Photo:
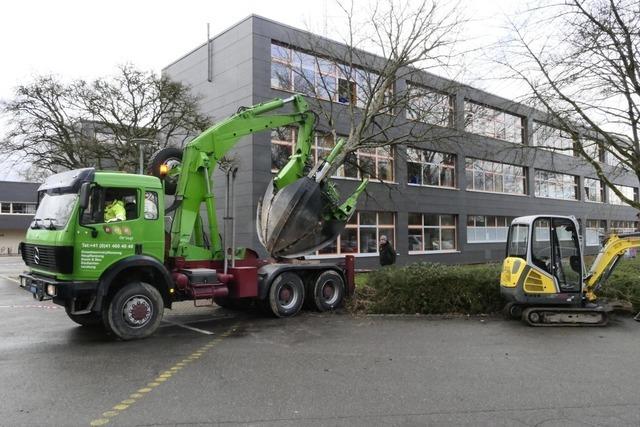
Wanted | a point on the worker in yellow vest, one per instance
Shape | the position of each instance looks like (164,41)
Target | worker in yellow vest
(115,211)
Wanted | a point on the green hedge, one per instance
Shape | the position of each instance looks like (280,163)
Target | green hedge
(624,283)
(429,288)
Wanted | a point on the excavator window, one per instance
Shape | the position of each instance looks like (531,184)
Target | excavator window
(518,238)
(541,245)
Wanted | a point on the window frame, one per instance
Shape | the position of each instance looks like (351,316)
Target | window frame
(601,191)
(502,173)
(440,166)
(556,134)
(507,221)
(340,173)
(447,103)
(477,124)
(537,184)
(439,227)
(355,223)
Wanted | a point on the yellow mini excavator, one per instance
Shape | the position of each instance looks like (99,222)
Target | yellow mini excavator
(543,276)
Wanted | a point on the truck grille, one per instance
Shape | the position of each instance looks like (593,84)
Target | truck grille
(57,259)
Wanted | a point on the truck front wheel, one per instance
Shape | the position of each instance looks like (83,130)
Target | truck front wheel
(134,312)
(286,295)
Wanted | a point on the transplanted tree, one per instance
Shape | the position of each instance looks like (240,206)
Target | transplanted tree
(102,123)
(581,61)
(352,89)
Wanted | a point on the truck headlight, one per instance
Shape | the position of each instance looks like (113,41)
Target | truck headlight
(51,290)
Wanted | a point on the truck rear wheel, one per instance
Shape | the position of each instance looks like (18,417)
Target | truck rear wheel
(328,291)
(286,295)
(134,312)
(89,320)
(172,157)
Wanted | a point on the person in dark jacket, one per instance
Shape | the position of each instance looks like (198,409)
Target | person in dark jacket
(387,253)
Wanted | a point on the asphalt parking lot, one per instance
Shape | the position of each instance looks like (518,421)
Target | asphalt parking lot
(208,366)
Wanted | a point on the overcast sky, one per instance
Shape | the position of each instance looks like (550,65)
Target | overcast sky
(84,39)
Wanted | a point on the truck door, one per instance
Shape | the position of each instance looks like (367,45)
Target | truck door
(566,259)
(110,229)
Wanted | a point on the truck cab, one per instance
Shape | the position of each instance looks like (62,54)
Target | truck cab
(75,247)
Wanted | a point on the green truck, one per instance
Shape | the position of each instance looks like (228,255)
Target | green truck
(106,246)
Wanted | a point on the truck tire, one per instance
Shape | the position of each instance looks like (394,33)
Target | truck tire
(89,320)
(328,291)
(134,312)
(286,295)
(170,156)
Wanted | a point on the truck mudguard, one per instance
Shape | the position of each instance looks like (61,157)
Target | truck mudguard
(133,262)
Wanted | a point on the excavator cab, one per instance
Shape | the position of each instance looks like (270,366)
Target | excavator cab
(543,276)
(544,261)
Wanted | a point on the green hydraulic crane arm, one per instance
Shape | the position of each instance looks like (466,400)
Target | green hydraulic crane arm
(613,249)
(202,154)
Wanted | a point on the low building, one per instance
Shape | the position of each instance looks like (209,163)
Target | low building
(18,202)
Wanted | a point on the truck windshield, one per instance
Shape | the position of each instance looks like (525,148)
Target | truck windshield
(54,211)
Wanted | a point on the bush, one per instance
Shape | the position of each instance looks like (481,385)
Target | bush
(428,288)
(624,283)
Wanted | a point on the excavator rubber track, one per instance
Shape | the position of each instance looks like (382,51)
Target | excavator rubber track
(565,316)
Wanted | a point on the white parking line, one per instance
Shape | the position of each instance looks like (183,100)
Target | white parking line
(202,331)
(2,276)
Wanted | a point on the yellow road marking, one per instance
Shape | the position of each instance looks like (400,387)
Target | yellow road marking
(161,378)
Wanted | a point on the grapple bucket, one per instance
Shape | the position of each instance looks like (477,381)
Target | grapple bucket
(297,219)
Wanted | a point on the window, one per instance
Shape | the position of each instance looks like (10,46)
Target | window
(556,185)
(376,163)
(24,208)
(552,139)
(518,237)
(297,71)
(619,227)
(429,106)
(489,228)
(483,175)
(432,233)
(111,204)
(595,230)
(17,208)
(630,193)
(541,245)
(362,233)
(150,205)
(488,121)
(593,190)
(425,167)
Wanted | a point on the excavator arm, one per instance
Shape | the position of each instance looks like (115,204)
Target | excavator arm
(612,251)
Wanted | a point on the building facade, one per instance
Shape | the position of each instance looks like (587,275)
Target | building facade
(17,207)
(446,199)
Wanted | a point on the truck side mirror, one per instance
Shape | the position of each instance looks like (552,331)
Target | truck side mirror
(83,198)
